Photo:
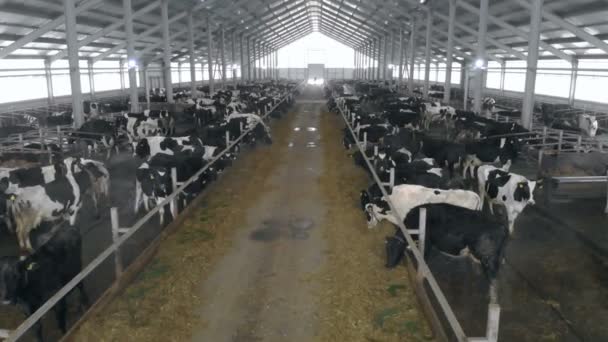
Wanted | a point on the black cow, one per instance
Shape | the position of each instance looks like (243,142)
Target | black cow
(463,232)
(94,133)
(29,283)
(446,153)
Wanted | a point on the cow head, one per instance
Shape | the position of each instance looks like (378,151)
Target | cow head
(141,148)
(13,276)
(383,162)
(593,126)
(376,211)
(524,191)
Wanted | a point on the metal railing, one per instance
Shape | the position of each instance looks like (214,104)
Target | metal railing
(424,274)
(114,248)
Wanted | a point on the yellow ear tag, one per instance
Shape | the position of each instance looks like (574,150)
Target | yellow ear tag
(521,185)
(31,266)
(151,177)
(13,197)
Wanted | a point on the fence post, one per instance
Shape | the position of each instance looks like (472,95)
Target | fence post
(606,210)
(421,230)
(559,142)
(40,132)
(544,137)
(227,138)
(173,204)
(579,143)
(117,260)
(392,179)
(493,322)
(365,141)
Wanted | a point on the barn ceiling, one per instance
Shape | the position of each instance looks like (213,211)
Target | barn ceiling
(35,28)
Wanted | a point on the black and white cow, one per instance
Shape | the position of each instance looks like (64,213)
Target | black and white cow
(93,181)
(511,190)
(30,282)
(406,197)
(40,195)
(151,146)
(152,186)
(138,126)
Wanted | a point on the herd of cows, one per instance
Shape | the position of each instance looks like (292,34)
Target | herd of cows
(418,146)
(56,193)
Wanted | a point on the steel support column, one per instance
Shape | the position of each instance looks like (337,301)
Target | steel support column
(254,59)
(503,74)
(573,79)
(223,55)
(379,53)
(392,54)
(210,55)
(164,9)
(481,61)
(233,57)
(131,62)
(355,64)
(248,55)
(72,41)
(91,78)
(191,53)
(146,82)
(410,80)
(450,52)
(121,71)
(242,56)
(401,53)
(527,110)
(385,59)
(427,52)
(48,76)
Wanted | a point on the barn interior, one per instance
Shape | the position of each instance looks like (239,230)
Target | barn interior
(303,170)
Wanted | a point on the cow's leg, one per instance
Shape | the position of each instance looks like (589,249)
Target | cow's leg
(482,196)
(61,311)
(84,297)
(511,216)
(161,214)
(138,196)
(491,205)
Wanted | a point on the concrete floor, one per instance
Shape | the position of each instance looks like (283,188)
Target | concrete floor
(258,292)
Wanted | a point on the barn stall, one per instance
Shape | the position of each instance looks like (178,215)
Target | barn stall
(176,101)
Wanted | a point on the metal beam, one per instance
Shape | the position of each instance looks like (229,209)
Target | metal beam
(481,63)
(582,34)
(516,31)
(30,37)
(131,62)
(191,53)
(410,81)
(210,55)
(164,17)
(449,53)
(106,30)
(427,60)
(527,110)
(72,41)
